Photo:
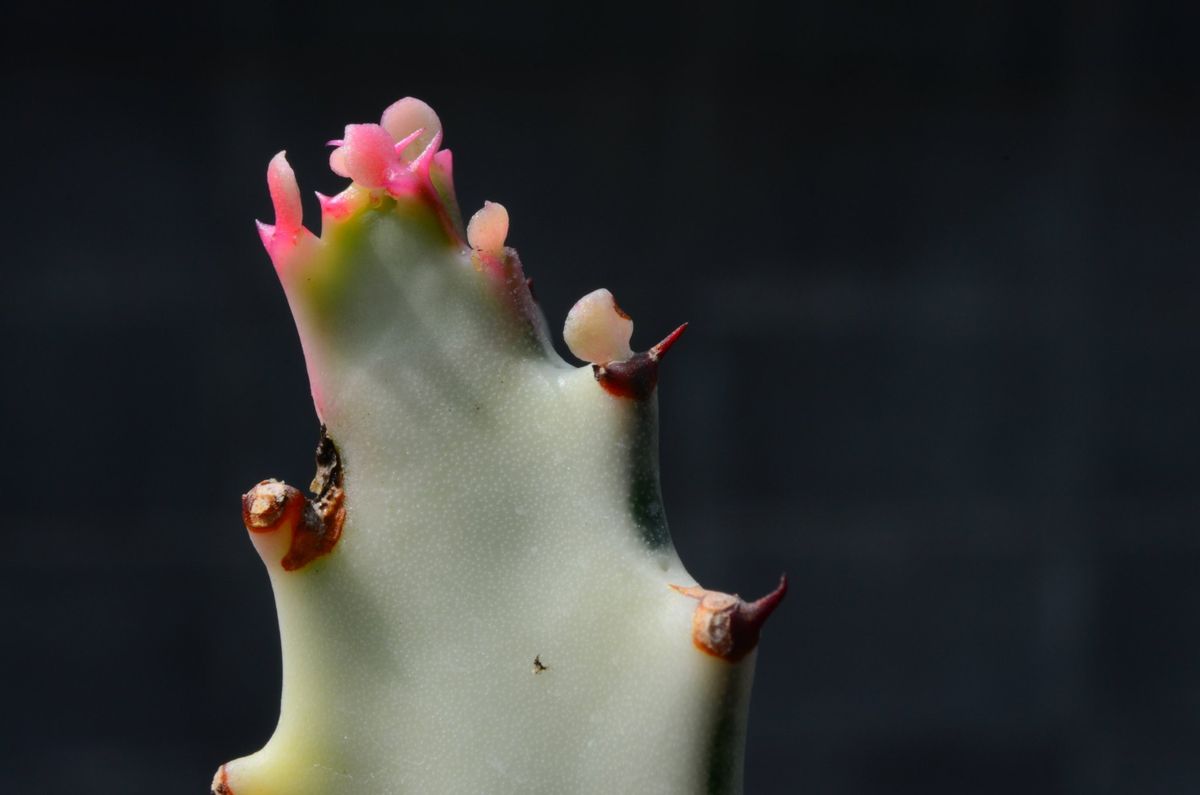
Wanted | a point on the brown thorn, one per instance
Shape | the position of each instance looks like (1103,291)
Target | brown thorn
(758,611)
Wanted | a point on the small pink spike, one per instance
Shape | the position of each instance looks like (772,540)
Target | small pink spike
(337,208)
(403,143)
(368,155)
(331,210)
(406,115)
(660,350)
(422,162)
(285,194)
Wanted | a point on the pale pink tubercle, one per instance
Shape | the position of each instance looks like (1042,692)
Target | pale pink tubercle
(597,330)
(488,229)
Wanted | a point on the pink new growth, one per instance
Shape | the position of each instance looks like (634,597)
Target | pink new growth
(399,157)
(288,230)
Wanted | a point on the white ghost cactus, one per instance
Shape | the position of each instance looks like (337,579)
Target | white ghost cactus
(482,595)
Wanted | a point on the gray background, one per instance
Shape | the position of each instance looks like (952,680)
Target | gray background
(940,266)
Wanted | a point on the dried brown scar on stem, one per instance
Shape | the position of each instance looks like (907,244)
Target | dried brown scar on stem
(220,782)
(637,376)
(315,524)
(726,626)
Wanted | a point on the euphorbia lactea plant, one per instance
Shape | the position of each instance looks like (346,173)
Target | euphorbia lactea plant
(482,596)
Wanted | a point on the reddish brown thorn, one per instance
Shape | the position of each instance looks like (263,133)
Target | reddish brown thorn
(725,625)
(315,524)
(660,350)
(636,376)
(220,783)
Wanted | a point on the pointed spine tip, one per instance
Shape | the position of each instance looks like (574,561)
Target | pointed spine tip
(637,376)
(412,122)
(660,350)
(401,145)
(761,609)
(423,162)
(332,209)
(266,233)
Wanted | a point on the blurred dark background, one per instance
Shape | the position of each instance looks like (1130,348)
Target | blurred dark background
(940,266)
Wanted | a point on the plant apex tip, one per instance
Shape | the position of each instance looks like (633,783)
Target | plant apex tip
(400,156)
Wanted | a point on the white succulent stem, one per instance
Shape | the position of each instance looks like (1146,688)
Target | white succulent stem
(495,612)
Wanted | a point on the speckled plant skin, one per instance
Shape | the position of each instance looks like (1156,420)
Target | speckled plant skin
(482,596)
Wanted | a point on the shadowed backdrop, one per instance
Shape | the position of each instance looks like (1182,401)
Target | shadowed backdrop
(940,269)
